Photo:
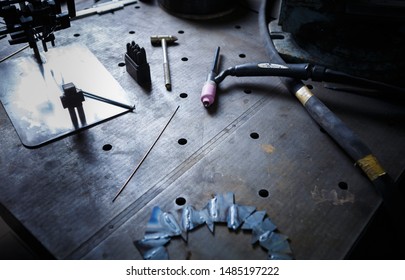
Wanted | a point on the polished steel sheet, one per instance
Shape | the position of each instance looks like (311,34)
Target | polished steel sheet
(31,92)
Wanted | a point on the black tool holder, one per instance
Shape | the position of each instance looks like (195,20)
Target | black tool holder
(137,65)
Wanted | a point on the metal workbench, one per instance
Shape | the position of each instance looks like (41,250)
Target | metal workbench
(256,138)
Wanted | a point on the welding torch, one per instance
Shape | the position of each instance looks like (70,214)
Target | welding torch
(292,76)
(354,147)
(302,71)
(210,86)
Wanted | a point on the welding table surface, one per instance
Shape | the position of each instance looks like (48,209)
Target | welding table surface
(62,192)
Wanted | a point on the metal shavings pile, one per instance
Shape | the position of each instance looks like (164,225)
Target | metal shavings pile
(220,209)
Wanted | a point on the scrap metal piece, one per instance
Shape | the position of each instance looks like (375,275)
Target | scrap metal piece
(253,220)
(151,247)
(262,231)
(276,243)
(205,215)
(156,253)
(162,224)
(217,209)
(159,253)
(237,215)
(233,217)
(221,208)
(190,218)
(277,256)
(219,205)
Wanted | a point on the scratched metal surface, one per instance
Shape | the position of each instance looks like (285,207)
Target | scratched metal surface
(62,192)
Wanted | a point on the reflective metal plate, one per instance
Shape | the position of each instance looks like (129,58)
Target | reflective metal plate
(30,92)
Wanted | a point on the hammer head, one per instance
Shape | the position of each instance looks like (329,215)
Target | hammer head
(157,39)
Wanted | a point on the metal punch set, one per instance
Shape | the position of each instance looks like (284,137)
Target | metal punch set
(137,101)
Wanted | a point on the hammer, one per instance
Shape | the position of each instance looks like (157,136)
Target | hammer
(164,40)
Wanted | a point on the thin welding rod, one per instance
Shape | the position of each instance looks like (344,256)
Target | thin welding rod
(215,63)
(13,54)
(109,101)
(144,157)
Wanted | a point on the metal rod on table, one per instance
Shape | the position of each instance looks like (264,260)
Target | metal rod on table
(144,157)
(109,101)
(14,53)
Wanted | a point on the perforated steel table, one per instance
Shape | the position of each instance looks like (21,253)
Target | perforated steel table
(257,141)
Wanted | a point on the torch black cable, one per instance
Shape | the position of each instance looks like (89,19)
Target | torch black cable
(342,134)
(322,115)
(382,90)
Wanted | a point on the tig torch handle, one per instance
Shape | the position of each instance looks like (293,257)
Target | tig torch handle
(357,150)
(298,71)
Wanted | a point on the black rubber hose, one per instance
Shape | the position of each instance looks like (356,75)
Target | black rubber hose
(383,90)
(321,114)
(342,134)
